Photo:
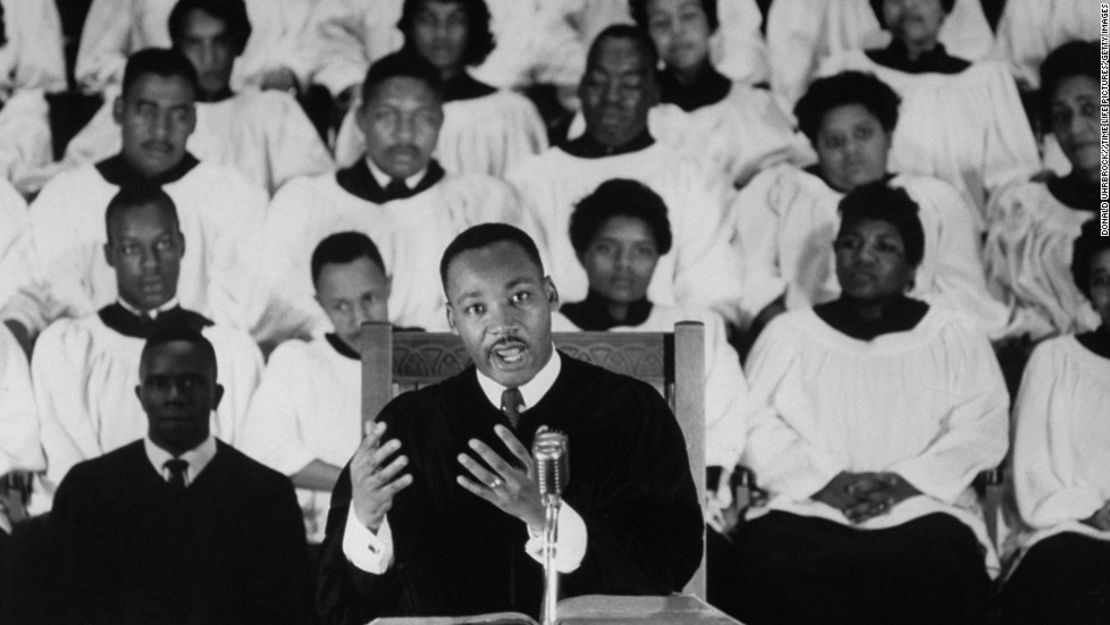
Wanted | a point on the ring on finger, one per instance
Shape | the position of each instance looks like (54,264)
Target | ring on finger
(495,482)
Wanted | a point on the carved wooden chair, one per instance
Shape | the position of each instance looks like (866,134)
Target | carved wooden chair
(673,363)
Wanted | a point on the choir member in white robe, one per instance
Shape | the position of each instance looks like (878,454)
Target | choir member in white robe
(264,135)
(25,138)
(114,29)
(801,33)
(883,410)
(617,90)
(1033,223)
(1061,465)
(22,296)
(218,209)
(19,424)
(961,122)
(784,222)
(397,194)
(305,417)
(739,128)
(1030,29)
(85,369)
(484,129)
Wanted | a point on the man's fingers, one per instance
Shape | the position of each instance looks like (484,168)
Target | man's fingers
(515,446)
(384,476)
(476,488)
(384,451)
(489,480)
(495,462)
(396,485)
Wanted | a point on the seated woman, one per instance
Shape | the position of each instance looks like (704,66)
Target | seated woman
(1062,465)
(1033,223)
(785,220)
(483,129)
(961,121)
(619,232)
(882,410)
(740,129)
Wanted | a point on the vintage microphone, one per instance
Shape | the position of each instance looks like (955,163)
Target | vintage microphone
(549,451)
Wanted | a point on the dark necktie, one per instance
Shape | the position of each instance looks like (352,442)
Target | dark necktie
(397,189)
(512,402)
(177,468)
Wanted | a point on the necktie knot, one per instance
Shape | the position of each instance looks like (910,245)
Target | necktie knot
(176,468)
(512,402)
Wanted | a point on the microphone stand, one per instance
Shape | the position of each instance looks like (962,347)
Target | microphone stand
(551,503)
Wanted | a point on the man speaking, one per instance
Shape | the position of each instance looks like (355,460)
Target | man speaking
(439,513)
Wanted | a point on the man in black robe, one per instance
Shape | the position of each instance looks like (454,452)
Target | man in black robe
(444,515)
(179,527)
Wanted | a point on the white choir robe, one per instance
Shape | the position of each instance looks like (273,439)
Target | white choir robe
(116,28)
(85,375)
(1061,455)
(19,423)
(727,403)
(218,210)
(411,235)
(479,136)
(785,221)
(1029,29)
(700,271)
(32,58)
(801,33)
(22,293)
(928,404)
(264,135)
(968,129)
(308,407)
(25,137)
(1028,261)
(742,134)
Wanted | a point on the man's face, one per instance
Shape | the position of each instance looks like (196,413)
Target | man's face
(440,33)
(500,304)
(145,247)
(352,294)
(401,122)
(156,117)
(617,91)
(621,259)
(916,21)
(178,392)
(871,261)
(207,44)
(680,30)
(852,147)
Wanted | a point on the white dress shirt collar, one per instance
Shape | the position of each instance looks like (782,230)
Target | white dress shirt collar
(533,390)
(384,179)
(153,313)
(197,457)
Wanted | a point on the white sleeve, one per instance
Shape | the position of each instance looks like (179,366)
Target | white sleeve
(1010,150)
(570,545)
(793,46)
(336,41)
(754,222)
(1046,484)
(34,32)
(25,138)
(240,367)
(363,548)
(64,254)
(105,44)
(737,48)
(728,401)
(19,425)
(273,430)
(293,147)
(975,429)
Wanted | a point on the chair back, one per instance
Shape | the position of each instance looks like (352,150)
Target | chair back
(673,363)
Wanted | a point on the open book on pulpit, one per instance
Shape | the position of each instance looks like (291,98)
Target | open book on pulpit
(595,610)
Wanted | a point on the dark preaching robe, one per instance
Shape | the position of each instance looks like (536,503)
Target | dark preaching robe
(457,554)
(230,550)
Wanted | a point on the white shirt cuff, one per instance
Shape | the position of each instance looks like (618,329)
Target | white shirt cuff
(370,552)
(570,546)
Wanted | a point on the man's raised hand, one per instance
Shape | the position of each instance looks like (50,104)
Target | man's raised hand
(374,482)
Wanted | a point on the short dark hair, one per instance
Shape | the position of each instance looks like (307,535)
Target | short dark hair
(233,13)
(620,198)
(162,62)
(344,247)
(1089,244)
(187,335)
(878,201)
(877,7)
(637,35)
(485,235)
(638,9)
(401,64)
(1076,58)
(845,88)
(134,195)
(479,42)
